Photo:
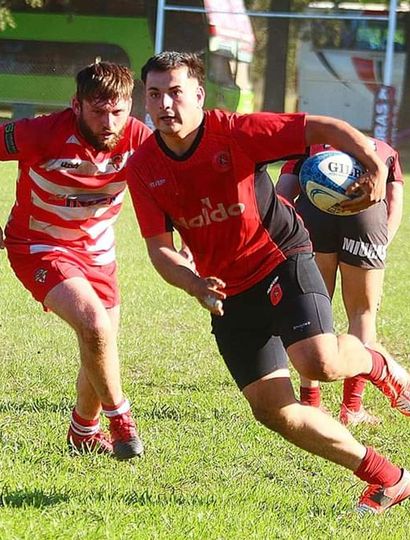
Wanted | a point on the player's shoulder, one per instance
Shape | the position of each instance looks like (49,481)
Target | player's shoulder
(219,121)
(146,152)
(136,125)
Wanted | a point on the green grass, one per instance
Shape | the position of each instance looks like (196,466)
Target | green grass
(210,472)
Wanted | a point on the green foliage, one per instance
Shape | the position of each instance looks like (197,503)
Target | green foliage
(210,472)
(6,15)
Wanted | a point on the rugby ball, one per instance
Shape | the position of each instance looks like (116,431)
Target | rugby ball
(324,178)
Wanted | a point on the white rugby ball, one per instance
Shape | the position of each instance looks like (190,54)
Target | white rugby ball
(324,178)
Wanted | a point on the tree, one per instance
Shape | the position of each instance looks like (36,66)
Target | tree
(6,17)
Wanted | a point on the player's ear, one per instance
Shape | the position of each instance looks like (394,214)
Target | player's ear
(76,106)
(200,95)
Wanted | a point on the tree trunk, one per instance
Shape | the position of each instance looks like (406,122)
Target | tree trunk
(276,58)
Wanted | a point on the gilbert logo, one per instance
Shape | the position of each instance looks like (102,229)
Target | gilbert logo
(211,214)
(344,168)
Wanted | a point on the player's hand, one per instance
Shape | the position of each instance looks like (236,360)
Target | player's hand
(1,239)
(370,189)
(210,294)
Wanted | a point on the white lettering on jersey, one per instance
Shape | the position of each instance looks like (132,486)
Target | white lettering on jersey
(211,214)
(364,249)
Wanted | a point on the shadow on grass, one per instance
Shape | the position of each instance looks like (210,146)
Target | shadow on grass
(172,498)
(29,499)
(37,405)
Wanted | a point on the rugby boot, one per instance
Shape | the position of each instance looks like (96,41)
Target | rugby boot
(395,384)
(125,439)
(97,442)
(353,418)
(377,499)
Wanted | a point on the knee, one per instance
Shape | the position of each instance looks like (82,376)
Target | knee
(95,332)
(280,420)
(324,368)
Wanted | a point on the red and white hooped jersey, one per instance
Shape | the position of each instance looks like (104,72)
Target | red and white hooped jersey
(68,194)
(219,197)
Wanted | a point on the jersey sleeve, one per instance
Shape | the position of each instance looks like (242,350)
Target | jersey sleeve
(140,132)
(268,137)
(151,219)
(395,172)
(25,138)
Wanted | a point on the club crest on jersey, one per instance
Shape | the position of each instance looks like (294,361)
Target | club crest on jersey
(116,161)
(40,275)
(222,161)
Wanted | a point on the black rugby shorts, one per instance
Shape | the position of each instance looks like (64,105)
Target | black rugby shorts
(359,240)
(289,305)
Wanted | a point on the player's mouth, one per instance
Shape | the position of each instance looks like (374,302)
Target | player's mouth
(168,119)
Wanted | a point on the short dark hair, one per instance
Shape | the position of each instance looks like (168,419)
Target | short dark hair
(104,81)
(168,60)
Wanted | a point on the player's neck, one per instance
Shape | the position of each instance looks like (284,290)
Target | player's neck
(180,143)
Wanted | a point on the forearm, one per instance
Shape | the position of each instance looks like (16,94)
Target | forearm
(344,137)
(174,268)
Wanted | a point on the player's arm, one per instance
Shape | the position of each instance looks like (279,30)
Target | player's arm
(343,136)
(394,199)
(176,269)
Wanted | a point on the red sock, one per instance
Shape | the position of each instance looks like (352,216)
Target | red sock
(378,363)
(310,395)
(83,427)
(352,392)
(376,469)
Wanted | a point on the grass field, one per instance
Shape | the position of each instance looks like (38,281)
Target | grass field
(210,472)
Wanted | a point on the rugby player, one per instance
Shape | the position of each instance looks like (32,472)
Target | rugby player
(200,173)
(60,240)
(355,245)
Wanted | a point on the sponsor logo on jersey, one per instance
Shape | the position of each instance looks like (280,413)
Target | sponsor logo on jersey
(40,275)
(211,214)
(157,183)
(9,140)
(70,164)
(222,161)
(84,200)
(364,249)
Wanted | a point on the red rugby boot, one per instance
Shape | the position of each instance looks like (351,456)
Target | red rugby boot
(377,499)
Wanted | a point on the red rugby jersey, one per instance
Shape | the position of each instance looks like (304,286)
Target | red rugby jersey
(68,193)
(218,198)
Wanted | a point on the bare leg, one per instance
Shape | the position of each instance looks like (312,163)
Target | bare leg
(361,289)
(273,403)
(76,302)
(88,403)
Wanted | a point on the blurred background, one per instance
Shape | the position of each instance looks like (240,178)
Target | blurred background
(274,55)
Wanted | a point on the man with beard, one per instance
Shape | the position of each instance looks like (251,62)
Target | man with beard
(60,241)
